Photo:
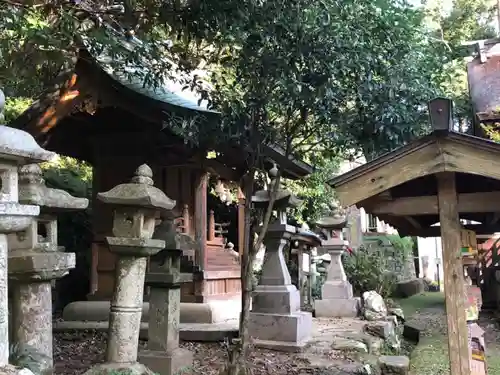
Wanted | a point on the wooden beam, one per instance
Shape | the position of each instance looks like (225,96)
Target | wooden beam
(436,231)
(453,275)
(416,162)
(200,219)
(428,205)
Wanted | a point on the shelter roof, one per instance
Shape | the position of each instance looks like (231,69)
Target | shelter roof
(401,189)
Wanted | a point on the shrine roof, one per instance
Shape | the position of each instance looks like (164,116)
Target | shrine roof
(400,187)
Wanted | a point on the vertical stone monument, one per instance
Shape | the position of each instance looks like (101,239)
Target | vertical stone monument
(337,298)
(35,260)
(276,321)
(164,278)
(135,207)
(16,148)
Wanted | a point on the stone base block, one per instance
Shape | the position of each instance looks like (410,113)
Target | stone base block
(165,363)
(119,368)
(276,299)
(275,331)
(337,290)
(337,308)
(12,370)
(212,312)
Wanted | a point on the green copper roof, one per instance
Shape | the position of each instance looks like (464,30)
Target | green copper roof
(167,93)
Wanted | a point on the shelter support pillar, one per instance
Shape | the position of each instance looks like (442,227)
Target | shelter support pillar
(453,274)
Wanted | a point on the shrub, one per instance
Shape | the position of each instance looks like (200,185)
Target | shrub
(367,269)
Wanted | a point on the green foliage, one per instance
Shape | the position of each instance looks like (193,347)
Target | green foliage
(368,269)
(25,356)
(14,107)
(315,193)
(374,267)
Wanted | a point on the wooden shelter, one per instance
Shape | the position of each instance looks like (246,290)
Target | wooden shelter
(443,177)
(96,114)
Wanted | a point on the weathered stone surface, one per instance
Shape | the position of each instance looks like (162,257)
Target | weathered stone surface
(19,145)
(136,205)
(275,320)
(410,288)
(140,192)
(32,320)
(16,148)
(167,363)
(394,365)
(381,329)
(374,307)
(398,313)
(120,368)
(411,331)
(32,190)
(344,344)
(12,370)
(337,308)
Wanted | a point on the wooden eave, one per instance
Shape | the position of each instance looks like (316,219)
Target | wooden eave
(400,187)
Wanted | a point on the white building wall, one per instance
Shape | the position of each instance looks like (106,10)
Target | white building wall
(430,254)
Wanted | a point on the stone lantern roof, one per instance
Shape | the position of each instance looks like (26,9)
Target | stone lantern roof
(140,192)
(284,198)
(32,190)
(18,145)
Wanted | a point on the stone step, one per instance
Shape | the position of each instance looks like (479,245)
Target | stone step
(204,332)
(394,365)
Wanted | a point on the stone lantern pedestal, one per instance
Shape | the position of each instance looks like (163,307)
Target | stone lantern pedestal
(163,354)
(16,148)
(35,261)
(337,298)
(136,205)
(276,321)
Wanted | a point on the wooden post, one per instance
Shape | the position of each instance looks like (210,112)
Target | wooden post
(453,274)
(200,219)
(211,226)
(185,219)
(241,221)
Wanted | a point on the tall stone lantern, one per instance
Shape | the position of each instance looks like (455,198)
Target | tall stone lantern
(337,298)
(164,278)
(136,205)
(16,148)
(276,321)
(35,259)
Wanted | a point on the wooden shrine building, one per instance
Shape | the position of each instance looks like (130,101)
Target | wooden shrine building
(115,123)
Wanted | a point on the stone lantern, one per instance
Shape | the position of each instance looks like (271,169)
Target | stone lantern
(164,278)
(306,241)
(35,260)
(16,148)
(136,205)
(275,319)
(337,298)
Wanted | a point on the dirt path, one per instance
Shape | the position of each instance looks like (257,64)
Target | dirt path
(431,355)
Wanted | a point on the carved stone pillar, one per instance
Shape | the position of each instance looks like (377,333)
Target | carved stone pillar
(16,148)
(35,261)
(163,354)
(136,205)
